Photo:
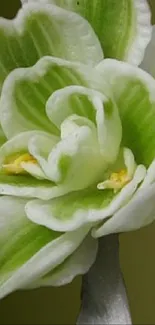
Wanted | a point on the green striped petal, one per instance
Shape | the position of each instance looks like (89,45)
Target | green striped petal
(26,91)
(139,212)
(28,187)
(66,104)
(123,27)
(148,63)
(20,239)
(29,251)
(77,209)
(134,93)
(44,29)
(22,108)
(76,264)
(90,138)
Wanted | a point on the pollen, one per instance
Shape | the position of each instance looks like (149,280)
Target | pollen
(13,164)
(116,181)
(121,177)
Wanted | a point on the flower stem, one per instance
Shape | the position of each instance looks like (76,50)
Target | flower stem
(104,299)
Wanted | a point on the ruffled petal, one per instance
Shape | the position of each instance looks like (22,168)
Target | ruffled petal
(29,251)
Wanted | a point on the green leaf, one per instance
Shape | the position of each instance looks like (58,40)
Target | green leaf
(76,264)
(29,251)
(134,93)
(123,27)
(148,63)
(44,29)
(76,209)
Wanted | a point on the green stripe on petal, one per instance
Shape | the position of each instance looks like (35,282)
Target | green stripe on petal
(29,251)
(20,239)
(25,92)
(91,105)
(134,93)
(44,29)
(90,136)
(122,26)
(76,264)
(76,209)
(139,212)
(29,187)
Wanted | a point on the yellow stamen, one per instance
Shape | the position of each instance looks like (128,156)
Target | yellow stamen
(116,181)
(121,178)
(13,164)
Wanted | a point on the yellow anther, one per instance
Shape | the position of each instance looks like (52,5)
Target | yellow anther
(121,178)
(116,181)
(13,164)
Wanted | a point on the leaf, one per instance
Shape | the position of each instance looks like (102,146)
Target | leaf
(123,27)
(44,29)
(29,251)
(134,93)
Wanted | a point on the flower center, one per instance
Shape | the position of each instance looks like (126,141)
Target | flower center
(116,181)
(13,164)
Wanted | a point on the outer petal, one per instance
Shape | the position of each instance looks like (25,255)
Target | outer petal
(123,27)
(139,212)
(45,29)
(134,92)
(25,92)
(148,64)
(29,251)
(76,264)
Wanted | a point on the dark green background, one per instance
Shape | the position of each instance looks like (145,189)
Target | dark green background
(60,305)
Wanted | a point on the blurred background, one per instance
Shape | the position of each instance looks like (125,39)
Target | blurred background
(61,305)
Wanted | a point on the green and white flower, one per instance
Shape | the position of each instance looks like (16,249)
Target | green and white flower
(77,154)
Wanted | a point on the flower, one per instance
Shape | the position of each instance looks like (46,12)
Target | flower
(77,141)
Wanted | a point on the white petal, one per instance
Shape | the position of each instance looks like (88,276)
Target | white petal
(77,264)
(44,261)
(139,212)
